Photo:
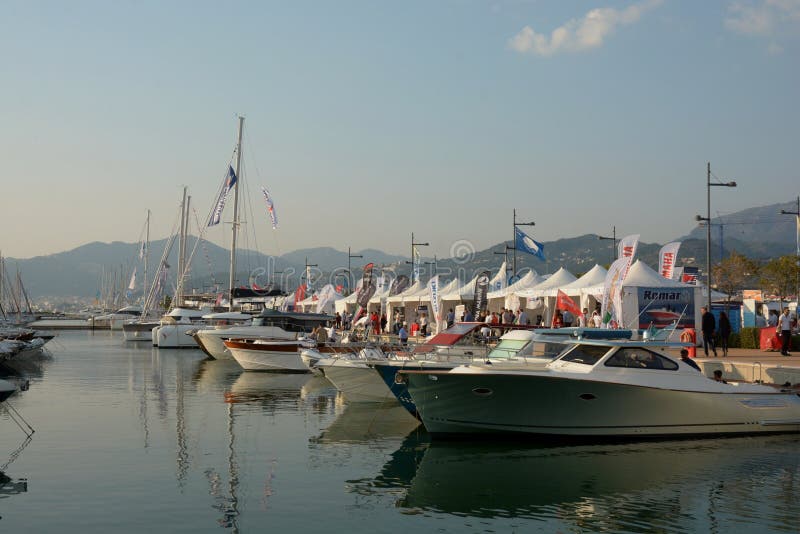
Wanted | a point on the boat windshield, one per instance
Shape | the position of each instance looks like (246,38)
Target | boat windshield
(639,358)
(508,347)
(585,354)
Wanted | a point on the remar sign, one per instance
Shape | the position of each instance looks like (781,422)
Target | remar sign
(663,295)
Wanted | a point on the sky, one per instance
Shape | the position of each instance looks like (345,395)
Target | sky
(368,121)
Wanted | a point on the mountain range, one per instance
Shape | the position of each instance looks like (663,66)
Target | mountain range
(759,233)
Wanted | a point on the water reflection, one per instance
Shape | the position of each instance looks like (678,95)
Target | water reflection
(365,422)
(633,487)
(10,486)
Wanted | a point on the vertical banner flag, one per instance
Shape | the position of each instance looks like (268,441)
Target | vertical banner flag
(481,288)
(300,293)
(564,302)
(416,260)
(399,285)
(499,281)
(326,295)
(526,243)
(364,292)
(142,250)
(273,217)
(612,291)
(666,259)
(227,185)
(132,284)
(627,249)
(433,293)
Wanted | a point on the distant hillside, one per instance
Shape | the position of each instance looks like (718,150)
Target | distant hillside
(756,232)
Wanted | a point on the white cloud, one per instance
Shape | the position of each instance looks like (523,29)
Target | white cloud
(763,17)
(582,34)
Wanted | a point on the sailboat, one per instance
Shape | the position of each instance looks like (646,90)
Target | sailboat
(181,321)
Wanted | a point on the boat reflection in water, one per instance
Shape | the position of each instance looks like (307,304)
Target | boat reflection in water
(363,422)
(9,486)
(626,486)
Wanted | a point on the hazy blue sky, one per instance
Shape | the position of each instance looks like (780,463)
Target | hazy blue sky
(369,120)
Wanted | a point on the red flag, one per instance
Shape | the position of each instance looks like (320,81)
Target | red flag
(563,302)
(300,294)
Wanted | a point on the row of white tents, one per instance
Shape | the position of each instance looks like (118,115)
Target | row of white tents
(534,292)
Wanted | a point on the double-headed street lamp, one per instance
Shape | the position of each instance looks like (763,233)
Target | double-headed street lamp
(415,244)
(350,280)
(797,252)
(707,220)
(613,240)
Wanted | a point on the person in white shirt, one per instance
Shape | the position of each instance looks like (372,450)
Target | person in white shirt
(582,318)
(597,321)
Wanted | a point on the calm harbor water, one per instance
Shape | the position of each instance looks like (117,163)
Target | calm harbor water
(131,438)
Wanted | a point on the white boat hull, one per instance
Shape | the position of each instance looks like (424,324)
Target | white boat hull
(544,404)
(211,341)
(357,380)
(262,359)
(173,336)
(137,331)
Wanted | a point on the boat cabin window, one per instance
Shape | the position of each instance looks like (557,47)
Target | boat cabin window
(639,358)
(585,354)
(508,347)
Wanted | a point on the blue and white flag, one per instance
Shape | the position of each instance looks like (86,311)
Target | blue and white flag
(417,261)
(270,208)
(142,250)
(227,186)
(525,243)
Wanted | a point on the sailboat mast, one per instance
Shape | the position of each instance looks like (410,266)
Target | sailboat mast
(146,253)
(181,246)
(235,224)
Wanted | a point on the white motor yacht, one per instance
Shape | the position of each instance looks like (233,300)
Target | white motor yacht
(171,330)
(269,324)
(598,388)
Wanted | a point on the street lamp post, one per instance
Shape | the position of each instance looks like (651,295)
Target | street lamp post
(707,219)
(350,256)
(514,232)
(415,244)
(613,239)
(797,250)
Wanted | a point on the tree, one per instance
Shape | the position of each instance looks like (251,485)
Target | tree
(779,276)
(734,273)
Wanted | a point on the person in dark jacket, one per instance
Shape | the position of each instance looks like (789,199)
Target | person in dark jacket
(709,327)
(724,332)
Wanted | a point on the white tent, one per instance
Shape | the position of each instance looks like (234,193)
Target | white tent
(507,298)
(500,280)
(646,297)
(589,287)
(543,296)
(397,302)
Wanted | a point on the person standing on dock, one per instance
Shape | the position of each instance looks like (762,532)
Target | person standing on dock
(724,332)
(709,326)
(785,326)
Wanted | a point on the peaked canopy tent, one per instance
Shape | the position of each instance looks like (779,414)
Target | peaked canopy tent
(543,296)
(650,299)
(507,297)
(588,288)
(396,303)
(349,302)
